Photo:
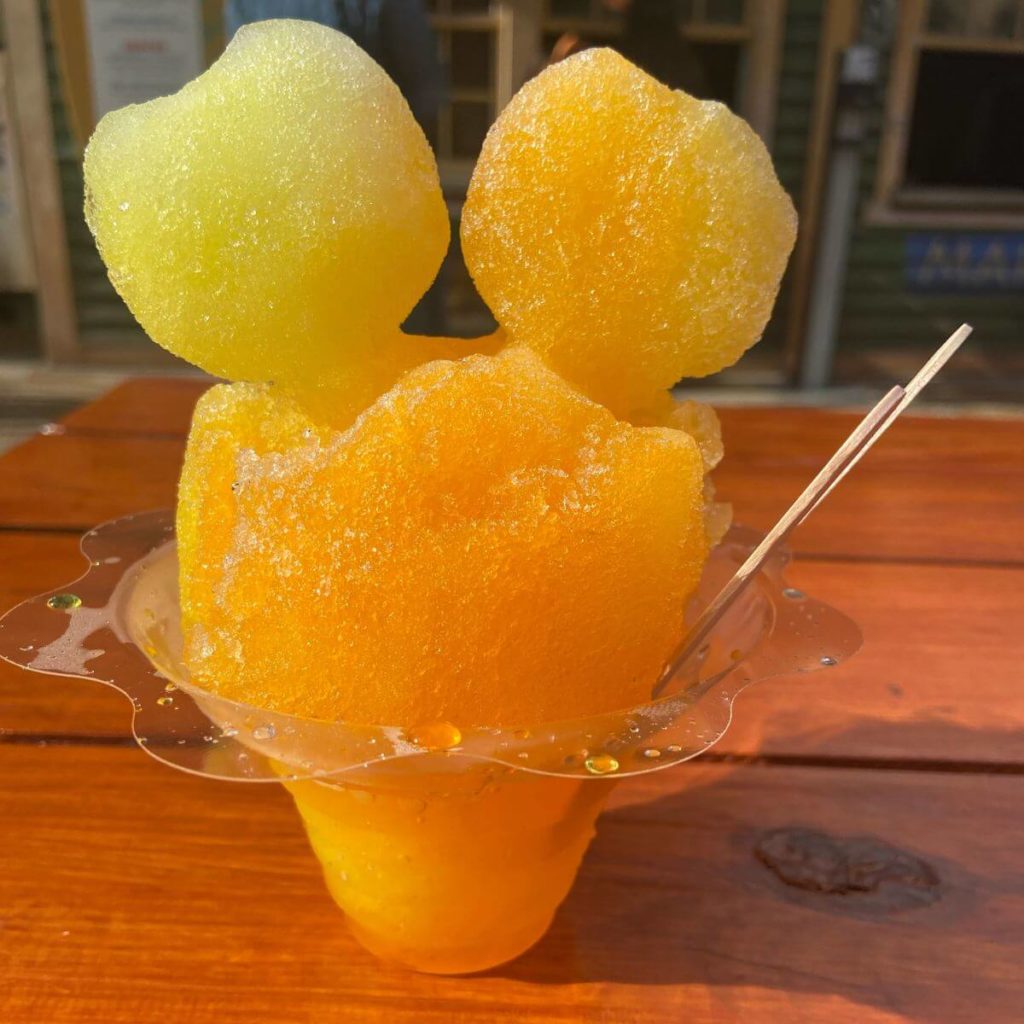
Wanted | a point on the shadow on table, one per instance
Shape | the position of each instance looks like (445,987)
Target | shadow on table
(707,885)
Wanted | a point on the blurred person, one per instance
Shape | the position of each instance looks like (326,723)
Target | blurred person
(651,39)
(398,36)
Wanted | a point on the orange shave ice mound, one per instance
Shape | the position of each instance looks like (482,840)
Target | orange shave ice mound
(484,545)
(381,528)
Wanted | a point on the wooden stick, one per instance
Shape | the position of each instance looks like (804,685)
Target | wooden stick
(913,389)
(849,453)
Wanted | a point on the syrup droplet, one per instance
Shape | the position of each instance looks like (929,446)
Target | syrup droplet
(674,748)
(64,602)
(828,661)
(793,594)
(264,732)
(652,753)
(170,687)
(165,701)
(436,736)
(601,764)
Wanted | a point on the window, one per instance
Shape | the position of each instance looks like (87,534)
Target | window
(952,152)
(490,47)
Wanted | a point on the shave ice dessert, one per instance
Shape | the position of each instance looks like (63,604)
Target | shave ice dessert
(437,534)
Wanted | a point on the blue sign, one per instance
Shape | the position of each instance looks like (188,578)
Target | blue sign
(959,262)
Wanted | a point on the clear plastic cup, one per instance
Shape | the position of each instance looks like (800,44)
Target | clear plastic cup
(445,867)
(449,849)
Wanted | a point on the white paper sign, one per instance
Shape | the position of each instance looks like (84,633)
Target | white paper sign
(139,49)
(17,271)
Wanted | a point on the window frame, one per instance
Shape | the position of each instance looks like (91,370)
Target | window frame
(894,203)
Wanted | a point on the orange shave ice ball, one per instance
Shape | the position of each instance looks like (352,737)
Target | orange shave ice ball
(484,545)
(277,218)
(631,234)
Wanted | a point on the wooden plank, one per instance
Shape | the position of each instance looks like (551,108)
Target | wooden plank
(141,406)
(163,405)
(807,437)
(76,482)
(934,682)
(48,707)
(906,500)
(132,891)
(41,704)
(932,489)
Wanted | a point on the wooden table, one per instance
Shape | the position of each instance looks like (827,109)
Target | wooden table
(132,893)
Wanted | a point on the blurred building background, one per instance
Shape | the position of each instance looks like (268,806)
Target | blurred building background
(898,128)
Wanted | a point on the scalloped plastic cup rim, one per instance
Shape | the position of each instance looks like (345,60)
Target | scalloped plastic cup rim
(124,632)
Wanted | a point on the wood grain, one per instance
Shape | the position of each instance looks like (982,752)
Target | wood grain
(905,501)
(141,406)
(932,488)
(47,705)
(934,680)
(163,405)
(131,890)
(75,482)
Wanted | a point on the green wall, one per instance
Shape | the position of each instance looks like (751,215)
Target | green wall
(880,310)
